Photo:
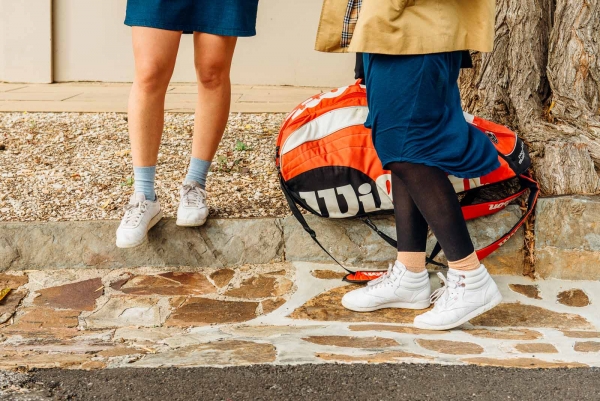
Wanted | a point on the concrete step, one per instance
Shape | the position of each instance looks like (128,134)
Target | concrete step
(278,313)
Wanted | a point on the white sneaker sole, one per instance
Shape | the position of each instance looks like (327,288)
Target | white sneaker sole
(479,311)
(152,223)
(191,223)
(394,305)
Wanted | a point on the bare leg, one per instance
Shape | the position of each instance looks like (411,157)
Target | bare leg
(155,52)
(213,55)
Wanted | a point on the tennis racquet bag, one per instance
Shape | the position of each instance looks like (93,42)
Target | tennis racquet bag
(328,166)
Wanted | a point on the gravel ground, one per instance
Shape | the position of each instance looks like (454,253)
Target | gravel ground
(69,166)
(314,382)
(17,386)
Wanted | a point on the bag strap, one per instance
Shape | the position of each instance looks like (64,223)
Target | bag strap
(300,217)
(485,209)
(528,183)
(435,252)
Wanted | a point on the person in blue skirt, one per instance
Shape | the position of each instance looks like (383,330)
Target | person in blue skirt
(157,27)
(412,55)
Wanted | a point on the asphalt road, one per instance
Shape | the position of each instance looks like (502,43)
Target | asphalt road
(308,382)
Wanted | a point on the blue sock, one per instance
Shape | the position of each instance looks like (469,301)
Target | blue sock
(198,171)
(144,181)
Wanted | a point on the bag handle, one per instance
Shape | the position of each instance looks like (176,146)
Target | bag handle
(528,183)
(482,209)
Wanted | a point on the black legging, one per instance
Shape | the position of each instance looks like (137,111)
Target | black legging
(424,196)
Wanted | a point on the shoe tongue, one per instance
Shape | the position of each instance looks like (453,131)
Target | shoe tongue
(137,197)
(192,183)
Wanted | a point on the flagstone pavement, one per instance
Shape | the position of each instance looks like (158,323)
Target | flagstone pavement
(274,314)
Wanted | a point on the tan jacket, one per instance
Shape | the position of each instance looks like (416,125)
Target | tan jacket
(409,26)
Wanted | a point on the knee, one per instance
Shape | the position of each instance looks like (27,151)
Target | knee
(152,78)
(212,75)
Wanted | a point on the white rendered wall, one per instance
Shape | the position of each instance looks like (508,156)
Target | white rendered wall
(26,41)
(92,44)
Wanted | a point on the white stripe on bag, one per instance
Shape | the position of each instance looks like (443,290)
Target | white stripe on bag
(325,125)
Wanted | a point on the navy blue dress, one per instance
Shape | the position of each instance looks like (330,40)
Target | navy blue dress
(217,17)
(416,116)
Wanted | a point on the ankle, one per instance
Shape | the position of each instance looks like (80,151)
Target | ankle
(413,261)
(198,171)
(469,263)
(144,181)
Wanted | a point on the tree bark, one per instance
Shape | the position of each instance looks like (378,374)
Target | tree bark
(574,62)
(543,77)
(509,85)
(567,169)
(543,80)
(574,72)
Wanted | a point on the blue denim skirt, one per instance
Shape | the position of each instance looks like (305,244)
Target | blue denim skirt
(416,116)
(217,17)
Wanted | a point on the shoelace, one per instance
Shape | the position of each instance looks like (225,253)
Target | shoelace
(134,213)
(449,290)
(386,279)
(193,196)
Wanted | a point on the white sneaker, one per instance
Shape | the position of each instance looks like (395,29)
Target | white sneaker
(140,216)
(464,296)
(192,211)
(398,288)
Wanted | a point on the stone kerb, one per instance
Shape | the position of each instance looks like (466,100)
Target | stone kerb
(567,238)
(64,245)
(228,242)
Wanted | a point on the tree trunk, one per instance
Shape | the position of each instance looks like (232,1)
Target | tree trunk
(543,77)
(574,71)
(509,85)
(574,62)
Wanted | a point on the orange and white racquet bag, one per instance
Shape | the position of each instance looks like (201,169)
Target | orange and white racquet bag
(328,165)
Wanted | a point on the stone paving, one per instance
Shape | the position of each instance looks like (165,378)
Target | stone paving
(279,313)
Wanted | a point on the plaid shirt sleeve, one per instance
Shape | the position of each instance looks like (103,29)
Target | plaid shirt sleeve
(350,20)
